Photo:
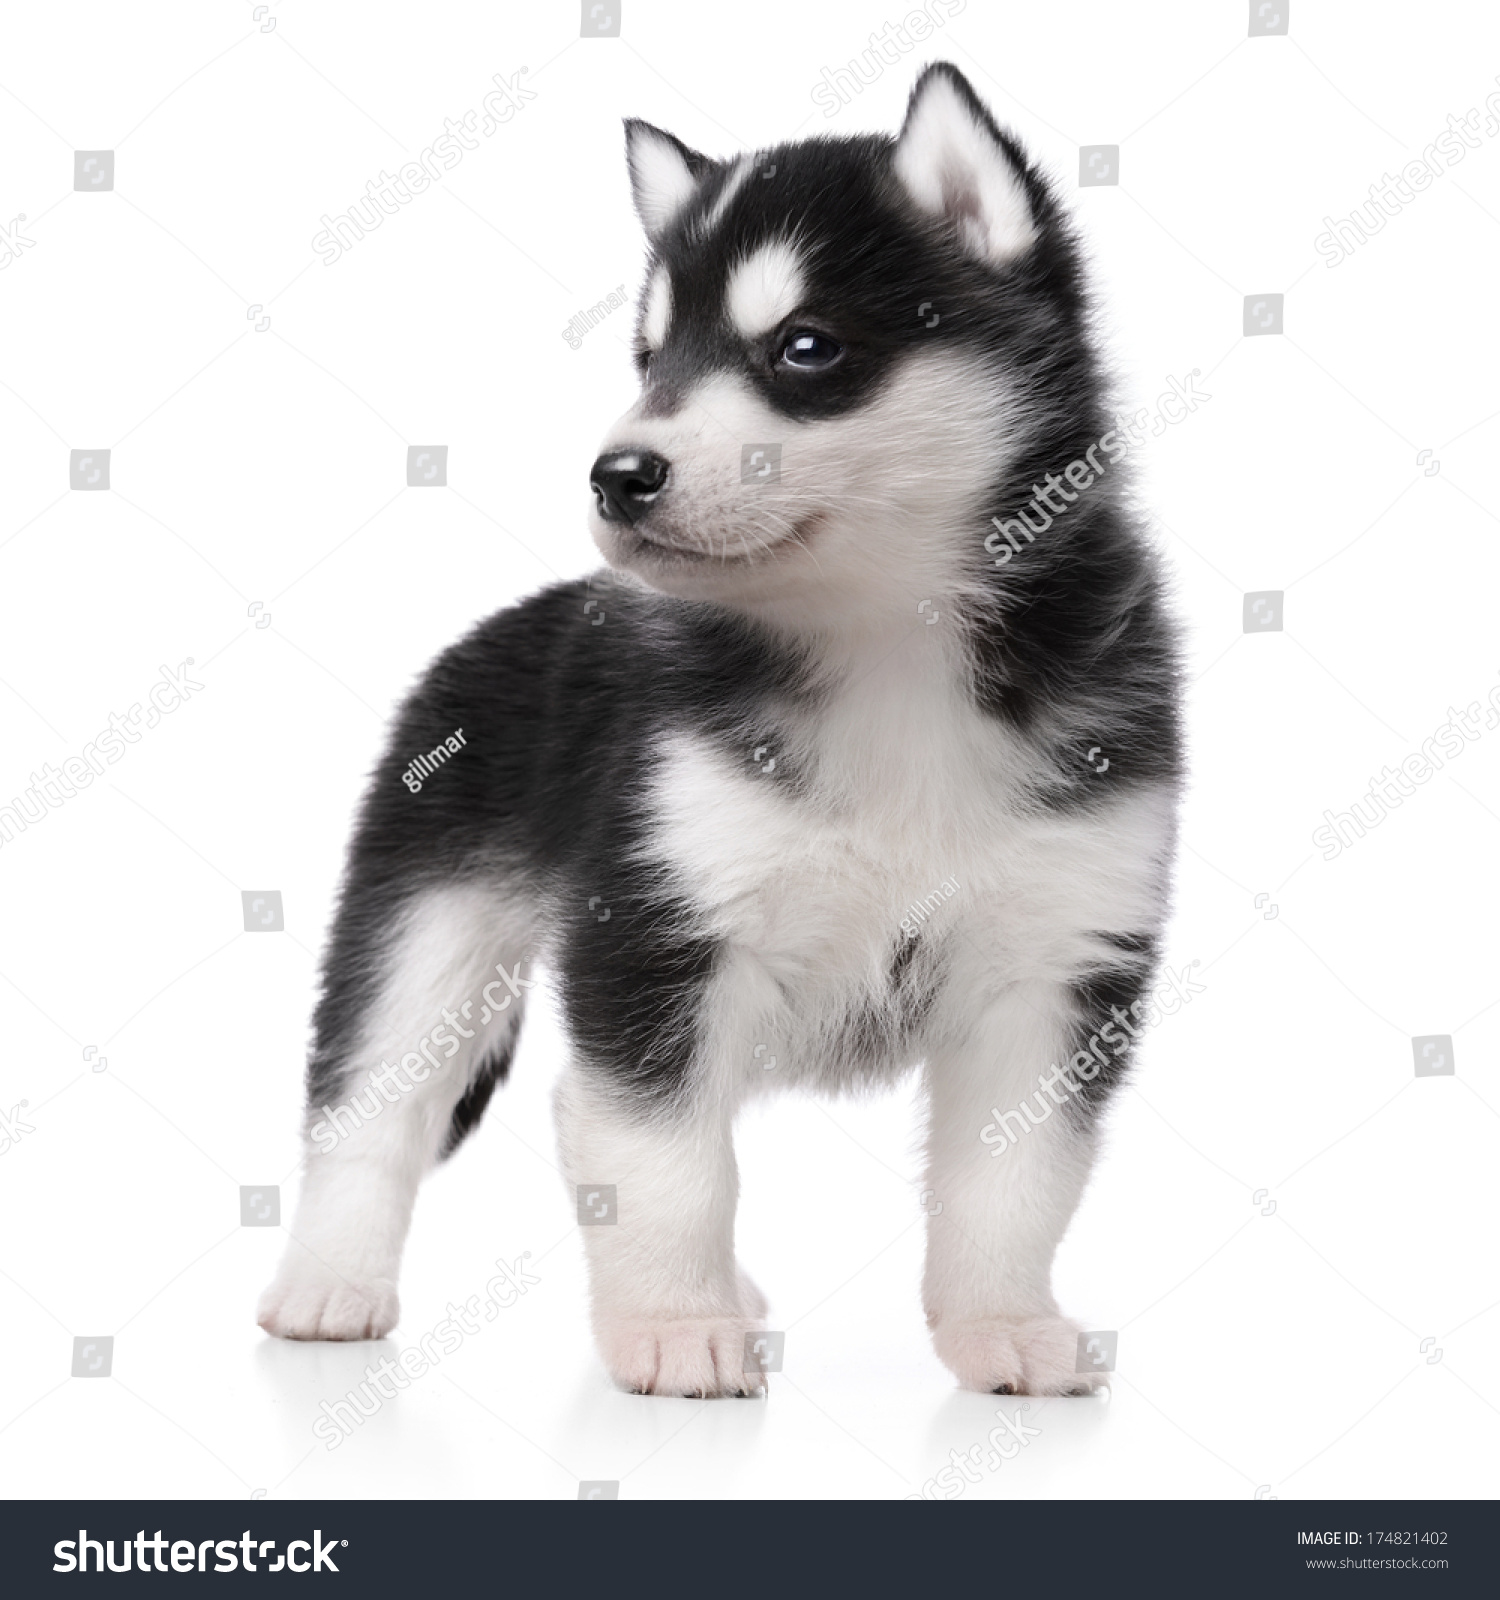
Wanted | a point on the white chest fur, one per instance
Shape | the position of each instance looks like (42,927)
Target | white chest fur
(905,796)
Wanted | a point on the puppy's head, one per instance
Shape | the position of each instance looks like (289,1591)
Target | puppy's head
(824,344)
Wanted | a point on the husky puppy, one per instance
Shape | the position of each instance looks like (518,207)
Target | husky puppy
(880,636)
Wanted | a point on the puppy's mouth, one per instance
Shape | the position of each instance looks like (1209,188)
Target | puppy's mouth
(639,539)
(660,547)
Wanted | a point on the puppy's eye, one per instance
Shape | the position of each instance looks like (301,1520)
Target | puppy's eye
(810,352)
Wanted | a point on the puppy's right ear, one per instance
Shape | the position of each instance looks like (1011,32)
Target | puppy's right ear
(664,173)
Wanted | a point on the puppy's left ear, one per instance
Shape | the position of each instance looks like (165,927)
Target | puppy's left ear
(664,173)
(953,162)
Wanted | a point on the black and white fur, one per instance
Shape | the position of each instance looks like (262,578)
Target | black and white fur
(811,701)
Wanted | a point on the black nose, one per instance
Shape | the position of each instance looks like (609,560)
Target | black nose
(625,482)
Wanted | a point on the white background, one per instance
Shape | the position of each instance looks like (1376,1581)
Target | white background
(1275,1351)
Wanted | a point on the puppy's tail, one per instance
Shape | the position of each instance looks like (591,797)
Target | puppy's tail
(488,1073)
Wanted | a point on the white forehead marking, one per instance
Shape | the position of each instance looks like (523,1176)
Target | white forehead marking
(764,288)
(658,309)
(710,220)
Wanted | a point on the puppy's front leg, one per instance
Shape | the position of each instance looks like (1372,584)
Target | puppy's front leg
(670,1309)
(1007,1194)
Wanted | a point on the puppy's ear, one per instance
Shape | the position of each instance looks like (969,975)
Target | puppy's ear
(955,164)
(664,173)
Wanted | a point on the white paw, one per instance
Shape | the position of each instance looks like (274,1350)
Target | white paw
(1036,1355)
(310,1301)
(702,1358)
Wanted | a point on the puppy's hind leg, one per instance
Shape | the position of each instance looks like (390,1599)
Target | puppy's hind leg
(418,1021)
